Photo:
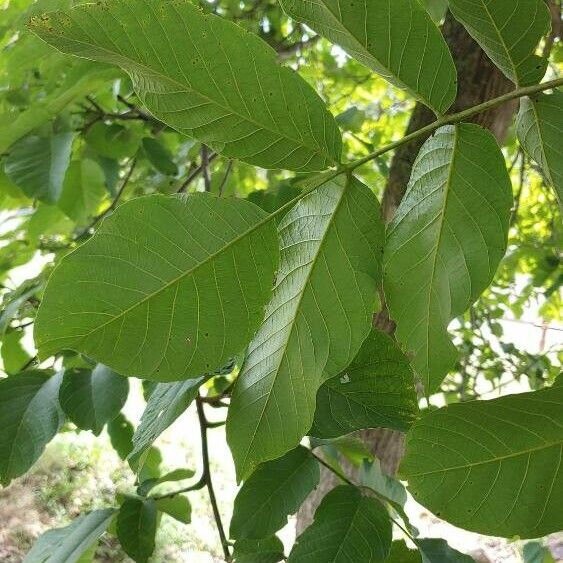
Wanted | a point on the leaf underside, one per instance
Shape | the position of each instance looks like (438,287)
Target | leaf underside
(132,297)
(396,39)
(204,76)
(319,315)
(445,242)
(492,467)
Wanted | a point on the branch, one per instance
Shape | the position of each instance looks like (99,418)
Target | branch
(203,425)
(196,173)
(113,204)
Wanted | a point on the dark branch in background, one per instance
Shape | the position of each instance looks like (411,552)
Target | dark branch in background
(225,177)
(556,27)
(196,172)
(112,205)
(205,167)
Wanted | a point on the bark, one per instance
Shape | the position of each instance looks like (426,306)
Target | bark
(478,81)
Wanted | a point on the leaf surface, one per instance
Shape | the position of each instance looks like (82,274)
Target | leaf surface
(132,297)
(509,32)
(30,416)
(90,398)
(319,315)
(396,39)
(206,77)
(136,527)
(177,506)
(375,390)
(347,527)
(272,493)
(445,242)
(540,130)
(69,544)
(269,550)
(492,467)
(38,165)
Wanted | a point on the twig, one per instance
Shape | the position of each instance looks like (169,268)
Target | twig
(199,484)
(193,175)
(203,425)
(113,204)
(225,177)
(205,168)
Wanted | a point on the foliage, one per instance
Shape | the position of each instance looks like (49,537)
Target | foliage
(260,295)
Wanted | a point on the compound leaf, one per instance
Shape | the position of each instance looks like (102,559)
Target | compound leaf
(509,32)
(205,77)
(272,493)
(375,390)
(347,527)
(30,416)
(319,316)
(132,296)
(445,242)
(90,398)
(397,39)
(540,130)
(501,458)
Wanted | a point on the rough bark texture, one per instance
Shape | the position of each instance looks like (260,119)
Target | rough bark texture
(478,81)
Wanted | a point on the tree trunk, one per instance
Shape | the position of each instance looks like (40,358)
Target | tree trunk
(478,81)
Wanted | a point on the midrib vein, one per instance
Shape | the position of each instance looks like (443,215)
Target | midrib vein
(487,461)
(188,88)
(296,310)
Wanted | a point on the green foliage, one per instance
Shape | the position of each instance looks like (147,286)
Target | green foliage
(502,457)
(540,126)
(143,283)
(272,493)
(30,416)
(395,39)
(136,527)
(509,33)
(376,389)
(90,398)
(240,106)
(38,165)
(348,527)
(329,270)
(261,296)
(70,544)
(445,242)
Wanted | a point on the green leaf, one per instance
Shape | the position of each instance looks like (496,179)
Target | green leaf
(269,550)
(113,141)
(29,418)
(83,190)
(90,398)
(370,475)
(445,242)
(177,506)
(131,297)
(120,432)
(435,550)
(492,467)
(86,77)
(48,220)
(436,8)
(272,493)
(166,403)
(319,315)
(397,39)
(38,165)
(14,355)
(69,544)
(347,527)
(176,475)
(136,527)
(206,77)
(540,127)
(535,552)
(509,32)
(375,390)
(159,156)
(400,553)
